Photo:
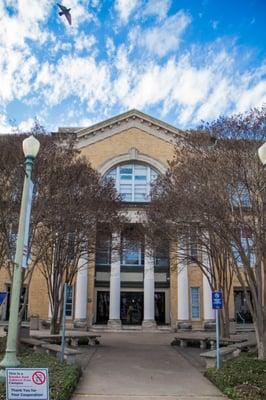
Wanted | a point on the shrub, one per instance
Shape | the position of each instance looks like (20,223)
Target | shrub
(63,378)
(241,379)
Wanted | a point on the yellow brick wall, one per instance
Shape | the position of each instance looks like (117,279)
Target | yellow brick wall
(121,143)
(38,295)
(98,153)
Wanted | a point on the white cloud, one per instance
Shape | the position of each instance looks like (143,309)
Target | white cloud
(125,8)
(110,47)
(84,42)
(80,77)
(164,38)
(158,8)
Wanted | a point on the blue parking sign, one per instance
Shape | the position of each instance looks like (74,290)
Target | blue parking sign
(217,300)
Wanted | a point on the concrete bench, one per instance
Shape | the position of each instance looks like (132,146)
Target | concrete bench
(70,355)
(34,343)
(246,346)
(91,340)
(184,340)
(226,353)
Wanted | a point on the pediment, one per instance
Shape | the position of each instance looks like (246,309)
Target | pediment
(124,122)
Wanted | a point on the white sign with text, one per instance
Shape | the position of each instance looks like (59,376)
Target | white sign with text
(27,383)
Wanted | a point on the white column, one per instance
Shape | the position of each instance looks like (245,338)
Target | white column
(208,312)
(148,321)
(81,293)
(182,290)
(114,307)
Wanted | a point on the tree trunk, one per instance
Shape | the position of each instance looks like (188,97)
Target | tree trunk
(225,313)
(55,326)
(261,340)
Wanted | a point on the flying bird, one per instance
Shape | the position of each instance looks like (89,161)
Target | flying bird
(65,11)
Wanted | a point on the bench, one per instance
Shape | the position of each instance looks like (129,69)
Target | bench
(70,355)
(91,340)
(183,341)
(34,343)
(226,353)
(72,338)
(246,346)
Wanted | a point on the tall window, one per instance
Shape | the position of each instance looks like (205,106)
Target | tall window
(103,248)
(133,181)
(161,258)
(193,245)
(195,302)
(247,245)
(132,248)
(69,301)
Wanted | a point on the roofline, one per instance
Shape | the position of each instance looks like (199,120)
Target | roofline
(128,114)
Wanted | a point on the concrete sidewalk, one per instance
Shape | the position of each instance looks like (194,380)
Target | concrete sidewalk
(142,366)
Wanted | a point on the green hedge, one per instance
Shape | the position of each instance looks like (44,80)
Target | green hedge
(241,379)
(63,378)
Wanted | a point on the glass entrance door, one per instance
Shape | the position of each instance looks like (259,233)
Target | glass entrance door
(131,308)
(102,307)
(159,307)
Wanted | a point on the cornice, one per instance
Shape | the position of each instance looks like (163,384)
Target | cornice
(125,121)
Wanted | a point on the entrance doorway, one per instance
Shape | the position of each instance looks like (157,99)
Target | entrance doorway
(159,307)
(131,308)
(102,307)
(242,313)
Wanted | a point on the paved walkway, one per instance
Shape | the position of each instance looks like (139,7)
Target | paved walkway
(142,366)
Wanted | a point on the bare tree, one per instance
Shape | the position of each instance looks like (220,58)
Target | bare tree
(69,200)
(217,182)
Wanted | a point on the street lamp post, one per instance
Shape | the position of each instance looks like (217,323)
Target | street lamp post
(30,148)
(262,154)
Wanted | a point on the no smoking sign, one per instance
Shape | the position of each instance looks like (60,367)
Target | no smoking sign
(39,378)
(27,383)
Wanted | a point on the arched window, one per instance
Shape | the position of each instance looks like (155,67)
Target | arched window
(133,181)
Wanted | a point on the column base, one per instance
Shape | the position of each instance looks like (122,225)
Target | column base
(148,324)
(184,326)
(114,324)
(80,323)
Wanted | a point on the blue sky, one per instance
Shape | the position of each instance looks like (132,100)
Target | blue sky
(182,61)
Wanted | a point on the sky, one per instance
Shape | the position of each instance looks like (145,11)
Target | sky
(182,61)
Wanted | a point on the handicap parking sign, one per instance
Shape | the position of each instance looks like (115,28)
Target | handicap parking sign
(217,300)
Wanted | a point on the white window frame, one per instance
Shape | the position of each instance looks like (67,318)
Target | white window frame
(133,182)
(72,303)
(191,304)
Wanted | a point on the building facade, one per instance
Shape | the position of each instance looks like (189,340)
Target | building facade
(134,285)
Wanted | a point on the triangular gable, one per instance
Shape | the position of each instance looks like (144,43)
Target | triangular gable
(125,121)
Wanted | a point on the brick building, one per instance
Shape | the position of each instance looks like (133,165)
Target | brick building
(133,287)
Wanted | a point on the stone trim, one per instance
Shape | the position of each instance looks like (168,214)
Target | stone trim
(132,155)
(125,121)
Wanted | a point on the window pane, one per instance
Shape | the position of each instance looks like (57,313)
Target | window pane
(103,249)
(140,173)
(126,170)
(126,192)
(133,178)
(132,252)
(140,192)
(69,301)
(195,303)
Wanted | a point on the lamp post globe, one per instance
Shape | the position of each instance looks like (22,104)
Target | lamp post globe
(262,154)
(30,148)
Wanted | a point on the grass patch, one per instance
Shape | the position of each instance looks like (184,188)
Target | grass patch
(241,379)
(63,378)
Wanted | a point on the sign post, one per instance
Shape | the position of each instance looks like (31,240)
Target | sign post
(217,304)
